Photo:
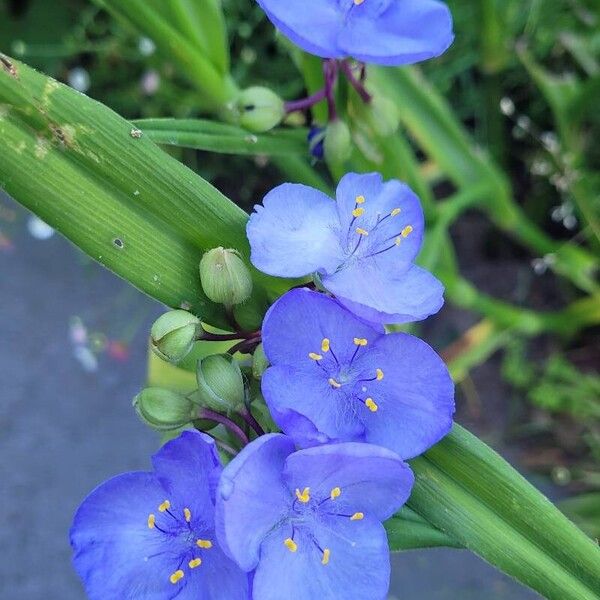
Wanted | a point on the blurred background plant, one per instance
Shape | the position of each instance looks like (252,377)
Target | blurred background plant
(498,136)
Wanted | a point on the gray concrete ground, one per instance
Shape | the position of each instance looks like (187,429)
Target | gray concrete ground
(64,430)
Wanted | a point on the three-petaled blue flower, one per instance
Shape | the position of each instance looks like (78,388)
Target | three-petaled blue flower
(309,522)
(387,32)
(334,377)
(362,246)
(152,535)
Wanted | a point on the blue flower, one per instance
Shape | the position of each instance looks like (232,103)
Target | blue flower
(386,32)
(152,535)
(362,246)
(335,378)
(309,522)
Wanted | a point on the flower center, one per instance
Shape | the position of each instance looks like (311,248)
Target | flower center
(179,525)
(300,524)
(340,375)
(370,234)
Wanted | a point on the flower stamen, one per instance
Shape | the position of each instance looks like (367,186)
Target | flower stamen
(357,516)
(334,384)
(371,405)
(304,495)
(290,544)
(326,551)
(187,513)
(175,577)
(336,492)
(195,562)
(314,356)
(205,544)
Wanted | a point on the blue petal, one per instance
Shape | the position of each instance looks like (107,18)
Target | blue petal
(186,467)
(252,498)
(391,215)
(372,480)
(290,392)
(407,32)
(299,321)
(115,553)
(415,397)
(293,233)
(311,24)
(358,568)
(217,578)
(380,296)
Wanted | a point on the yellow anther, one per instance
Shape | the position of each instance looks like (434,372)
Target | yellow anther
(187,513)
(336,492)
(358,2)
(360,199)
(397,241)
(357,516)
(407,231)
(371,405)
(314,356)
(360,341)
(395,212)
(326,552)
(357,212)
(206,544)
(290,544)
(361,231)
(334,384)
(195,562)
(165,506)
(379,374)
(176,576)
(304,495)
(325,345)
(151,521)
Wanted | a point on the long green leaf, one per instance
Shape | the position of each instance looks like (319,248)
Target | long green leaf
(474,496)
(86,171)
(220,137)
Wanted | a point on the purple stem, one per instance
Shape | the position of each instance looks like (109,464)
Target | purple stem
(245,346)
(305,103)
(211,415)
(357,84)
(225,337)
(330,72)
(249,418)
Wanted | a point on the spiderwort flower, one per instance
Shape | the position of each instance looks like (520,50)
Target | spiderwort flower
(335,378)
(152,535)
(309,522)
(386,32)
(362,246)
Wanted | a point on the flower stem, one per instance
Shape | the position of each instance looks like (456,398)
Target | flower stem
(211,415)
(305,103)
(246,346)
(249,418)
(357,84)
(206,336)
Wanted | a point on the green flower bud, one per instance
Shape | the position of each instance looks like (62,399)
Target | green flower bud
(220,383)
(384,115)
(163,409)
(225,277)
(338,142)
(259,362)
(260,109)
(173,334)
